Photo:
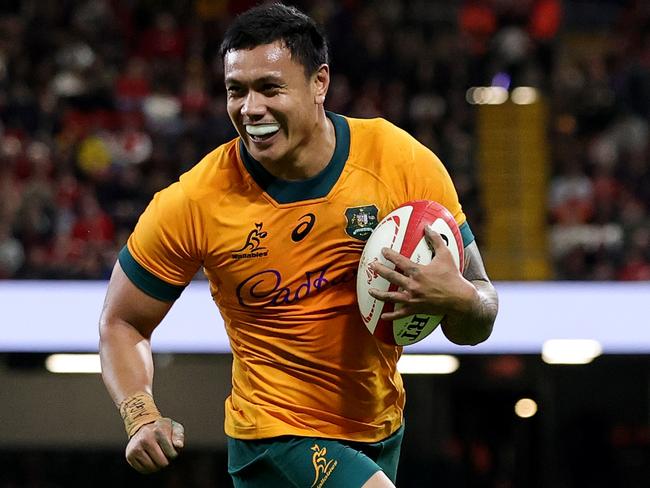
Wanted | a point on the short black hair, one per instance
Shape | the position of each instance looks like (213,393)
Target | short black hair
(268,23)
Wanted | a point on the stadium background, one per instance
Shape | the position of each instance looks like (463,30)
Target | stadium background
(103,102)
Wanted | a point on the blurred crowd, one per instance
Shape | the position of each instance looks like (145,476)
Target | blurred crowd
(599,197)
(104,102)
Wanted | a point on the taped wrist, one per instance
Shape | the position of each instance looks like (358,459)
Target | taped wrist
(137,410)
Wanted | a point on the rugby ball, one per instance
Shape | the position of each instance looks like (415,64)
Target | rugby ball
(403,231)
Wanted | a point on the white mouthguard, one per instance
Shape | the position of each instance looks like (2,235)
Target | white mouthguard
(262,129)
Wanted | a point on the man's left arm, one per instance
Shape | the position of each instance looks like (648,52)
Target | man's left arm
(473,323)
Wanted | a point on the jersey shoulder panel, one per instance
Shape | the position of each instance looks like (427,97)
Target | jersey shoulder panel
(387,150)
(167,239)
(410,169)
(387,144)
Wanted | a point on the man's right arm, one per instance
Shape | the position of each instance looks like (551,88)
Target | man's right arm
(128,319)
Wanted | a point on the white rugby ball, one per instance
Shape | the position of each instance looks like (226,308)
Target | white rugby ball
(403,231)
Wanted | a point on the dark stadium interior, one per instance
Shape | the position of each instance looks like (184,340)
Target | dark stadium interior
(104,102)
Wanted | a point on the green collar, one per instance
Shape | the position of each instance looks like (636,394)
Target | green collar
(317,186)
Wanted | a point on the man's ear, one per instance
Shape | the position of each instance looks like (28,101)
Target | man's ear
(321,84)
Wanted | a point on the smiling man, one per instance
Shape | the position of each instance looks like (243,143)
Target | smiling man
(278,218)
(277,108)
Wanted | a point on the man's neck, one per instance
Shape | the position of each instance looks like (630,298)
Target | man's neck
(310,159)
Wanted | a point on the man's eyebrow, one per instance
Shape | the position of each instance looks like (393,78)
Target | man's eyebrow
(270,79)
(230,79)
(263,79)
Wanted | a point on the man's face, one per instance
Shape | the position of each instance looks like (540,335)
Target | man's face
(271,102)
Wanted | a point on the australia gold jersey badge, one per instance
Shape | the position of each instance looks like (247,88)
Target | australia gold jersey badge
(361,221)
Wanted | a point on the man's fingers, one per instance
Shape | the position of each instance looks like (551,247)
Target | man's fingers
(436,240)
(135,464)
(398,314)
(433,237)
(164,435)
(396,258)
(390,296)
(141,461)
(178,435)
(158,457)
(392,275)
(138,466)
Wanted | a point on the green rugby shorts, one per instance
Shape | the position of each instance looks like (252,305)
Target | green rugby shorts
(311,462)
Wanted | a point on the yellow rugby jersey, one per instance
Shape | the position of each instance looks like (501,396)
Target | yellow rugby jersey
(281,258)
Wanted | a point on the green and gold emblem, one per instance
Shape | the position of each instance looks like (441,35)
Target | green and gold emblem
(361,221)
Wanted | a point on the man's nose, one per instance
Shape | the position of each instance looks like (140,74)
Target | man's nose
(253,105)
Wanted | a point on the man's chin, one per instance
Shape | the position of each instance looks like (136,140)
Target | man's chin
(264,153)
(261,156)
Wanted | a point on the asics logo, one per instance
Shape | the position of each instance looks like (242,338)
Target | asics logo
(304,227)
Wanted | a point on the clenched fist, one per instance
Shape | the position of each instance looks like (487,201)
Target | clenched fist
(155,445)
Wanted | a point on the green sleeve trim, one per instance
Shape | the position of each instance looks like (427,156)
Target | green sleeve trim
(466,233)
(146,281)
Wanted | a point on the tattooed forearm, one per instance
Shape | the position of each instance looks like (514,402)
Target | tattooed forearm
(474,325)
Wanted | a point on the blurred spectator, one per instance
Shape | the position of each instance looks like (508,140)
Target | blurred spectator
(164,39)
(92,224)
(132,86)
(636,266)
(571,197)
(12,254)
(162,111)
